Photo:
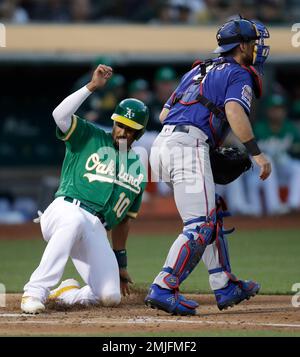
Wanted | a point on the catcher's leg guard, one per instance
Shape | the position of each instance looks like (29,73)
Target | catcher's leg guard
(222,262)
(183,257)
(189,254)
(185,253)
(235,290)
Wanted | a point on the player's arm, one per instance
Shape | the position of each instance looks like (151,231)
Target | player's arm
(167,106)
(241,127)
(119,237)
(163,114)
(169,103)
(63,113)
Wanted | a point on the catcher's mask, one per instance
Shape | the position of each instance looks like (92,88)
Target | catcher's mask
(133,113)
(234,32)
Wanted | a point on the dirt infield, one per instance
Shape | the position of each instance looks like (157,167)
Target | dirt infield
(266,313)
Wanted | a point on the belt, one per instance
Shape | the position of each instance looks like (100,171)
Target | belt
(185,129)
(86,208)
(182,128)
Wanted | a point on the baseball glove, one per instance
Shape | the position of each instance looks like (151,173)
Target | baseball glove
(228,163)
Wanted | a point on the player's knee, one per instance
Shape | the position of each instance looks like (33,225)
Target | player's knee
(203,233)
(111,299)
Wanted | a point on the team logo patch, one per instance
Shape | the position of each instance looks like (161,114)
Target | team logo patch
(247,94)
(173,280)
(129,114)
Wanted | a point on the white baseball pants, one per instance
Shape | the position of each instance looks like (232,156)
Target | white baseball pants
(73,232)
(182,159)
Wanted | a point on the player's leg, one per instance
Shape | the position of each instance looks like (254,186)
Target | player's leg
(217,279)
(253,187)
(271,194)
(61,224)
(96,263)
(269,188)
(294,194)
(291,169)
(236,197)
(194,197)
(228,289)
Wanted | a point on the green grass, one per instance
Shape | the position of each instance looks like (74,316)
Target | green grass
(270,257)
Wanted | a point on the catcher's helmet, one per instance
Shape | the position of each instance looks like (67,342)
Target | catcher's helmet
(133,113)
(233,32)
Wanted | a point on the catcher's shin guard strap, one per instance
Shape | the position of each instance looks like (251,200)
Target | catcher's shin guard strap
(230,276)
(217,270)
(221,240)
(195,220)
(206,219)
(222,246)
(171,280)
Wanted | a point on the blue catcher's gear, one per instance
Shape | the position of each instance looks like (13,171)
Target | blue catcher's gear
(233,32)
(210,83)
(194,242)
(170,301)
(191,252)
(261,51)
(235,292)
(221,240)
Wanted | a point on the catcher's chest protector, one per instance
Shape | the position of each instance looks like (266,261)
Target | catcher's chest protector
(194,95)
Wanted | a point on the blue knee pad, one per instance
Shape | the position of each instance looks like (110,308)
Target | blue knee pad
(191,252)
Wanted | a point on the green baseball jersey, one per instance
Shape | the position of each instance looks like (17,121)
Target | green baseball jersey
(263,131)
(280,141)
(108,181)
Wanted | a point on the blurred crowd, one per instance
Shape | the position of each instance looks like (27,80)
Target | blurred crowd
(156,12)
(279,138)
(276,126)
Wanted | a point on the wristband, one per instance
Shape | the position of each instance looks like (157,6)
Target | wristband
(252,147)
(121,256)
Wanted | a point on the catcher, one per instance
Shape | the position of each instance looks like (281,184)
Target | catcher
(214,96)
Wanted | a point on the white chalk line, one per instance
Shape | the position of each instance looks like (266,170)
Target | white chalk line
(138,321)
(15,315)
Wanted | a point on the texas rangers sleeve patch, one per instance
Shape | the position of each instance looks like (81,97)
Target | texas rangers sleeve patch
(247,94)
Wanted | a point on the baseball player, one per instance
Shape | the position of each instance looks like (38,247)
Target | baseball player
(101,187)
(212,97)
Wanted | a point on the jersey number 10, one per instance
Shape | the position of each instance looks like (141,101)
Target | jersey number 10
(121,205)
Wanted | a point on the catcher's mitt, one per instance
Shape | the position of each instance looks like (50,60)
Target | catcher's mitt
(228,163)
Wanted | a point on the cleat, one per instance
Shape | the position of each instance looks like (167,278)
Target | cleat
(235,292)
(31,305)
(170,301)
(65,286)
